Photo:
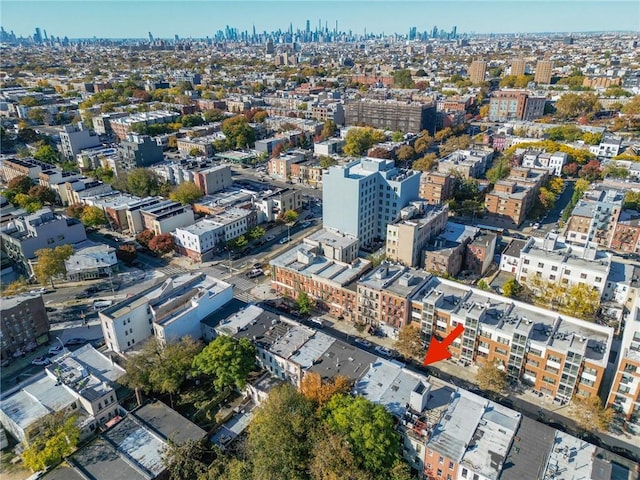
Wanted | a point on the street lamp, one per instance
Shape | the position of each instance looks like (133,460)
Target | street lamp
(58,338)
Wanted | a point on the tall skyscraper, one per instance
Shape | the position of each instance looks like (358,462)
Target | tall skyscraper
(544,69)
(37,36)
(364,196)
(150,38)
(477,71)
(518,66)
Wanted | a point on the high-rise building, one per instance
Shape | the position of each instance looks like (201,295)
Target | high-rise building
(477,71)
(518,66)
(363,197)
(507,105)
(544,68)
(391,115)
(37,36)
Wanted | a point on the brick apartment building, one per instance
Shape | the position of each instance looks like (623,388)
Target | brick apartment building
(436,187)
(509,105)
(595,216)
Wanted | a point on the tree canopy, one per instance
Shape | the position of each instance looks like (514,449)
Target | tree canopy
(409,342)
(572,105)
(57,438)
(227,360)
(51,263)
(361,139)
(491,378)
(238,132)
(186,193)
(162,244)
(93,216)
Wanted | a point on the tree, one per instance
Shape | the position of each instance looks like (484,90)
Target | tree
(369,429)
(455,143)
(304,303)
(332,458)
(632,107)
(93,216)
(57,438)
(614,171)
(29,203)
(572,105)
(589,413)
(409,342)
(546,198)
(405,153)
(361,139)
(256,233)
(127,253)
(278,148)
(570,169)
(213,115)
(556,185)
(591,171)
(426,163)
(186,193)
(443,134)
(379,152)
(162,244)
(238,132)
(315,389)
(260,116)
(326,161)
(397,136)
(47,154)
(44,195)
(591,138)
(568,133)
(144,237)
(189,460)
(20,184)
(142,182)
(582,301)
(279,439)
(483,285)
(328,129)
(290,216)
(15,287)
(238,243)
(511,288)
(631,200)
(500,170)
(484,111)
(195,152)
(581,186)
(75,210)
(36,115)
(402,79)
(228,360)
(51,263)
(423,143)
(492,378)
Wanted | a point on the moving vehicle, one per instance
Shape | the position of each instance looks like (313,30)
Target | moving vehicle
(256,272)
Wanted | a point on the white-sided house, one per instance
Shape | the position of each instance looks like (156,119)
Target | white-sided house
(199,241)
(169,311)
(91,260)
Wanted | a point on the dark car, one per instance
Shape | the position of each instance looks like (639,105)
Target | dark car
(84,294)
(76,341)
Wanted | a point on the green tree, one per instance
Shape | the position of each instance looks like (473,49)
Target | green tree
(326,161)
(402,79)
(304,303)
(189,460)
(409,342)
(18,185)
(29,101)
(256,233)
(546,198)
(186,193)
(290,216)
(631,200)
(279,441)
(511,288)
(614,171)
(47,154)
(57,439)
(397,136)
(162,244)
(568,133)
(42,194)
(500,170)
(238,243)
(228,360)
(36,115)
(572,105)
(195,152)
(328,129)
(455,143)
(589,413)
(426,163)
(591,138)
(582,301)
(405,153)
(483,285)
(238,132)
(142,182)
(332,458)
(51,263)
(632,107)
(423,143)
(93,216)
(361,139)
(491,378)
(213,115)
(369,429)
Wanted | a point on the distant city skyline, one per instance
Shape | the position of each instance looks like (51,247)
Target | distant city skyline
(199,19)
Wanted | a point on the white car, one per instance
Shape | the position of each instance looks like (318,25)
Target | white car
(305,224)
(362,342)
(383,351)
(56,350)
(40,361)
(284,240)
(536,226)
(270,237)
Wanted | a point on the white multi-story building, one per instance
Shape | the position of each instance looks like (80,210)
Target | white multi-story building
(170,311)
(91,260)
(551,161)
(469,163)
(364,196)
(74,138)
(198,241)
(551,259)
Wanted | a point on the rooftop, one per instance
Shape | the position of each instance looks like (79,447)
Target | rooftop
(343,359)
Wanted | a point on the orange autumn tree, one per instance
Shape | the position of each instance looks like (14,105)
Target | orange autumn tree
(313,388)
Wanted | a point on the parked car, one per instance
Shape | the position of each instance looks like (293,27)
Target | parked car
(362,342)
(56,350)
(309,217)
(317,321)
(305,224)
(257,265)
(76,341)
(256,272)
(270,237)
(84,294)
(536,226)
(284,240)
(383,351)
(40,361)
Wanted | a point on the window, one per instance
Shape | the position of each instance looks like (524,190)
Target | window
(554,268)
(583,275)
(465,472)
(440,461)
(451,465)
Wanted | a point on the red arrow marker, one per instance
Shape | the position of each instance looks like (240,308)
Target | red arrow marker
(439,350)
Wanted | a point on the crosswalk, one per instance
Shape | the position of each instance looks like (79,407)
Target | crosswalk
(172,271)
(243,283)
(245,297)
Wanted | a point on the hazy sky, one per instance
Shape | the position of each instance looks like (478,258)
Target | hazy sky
(122,18)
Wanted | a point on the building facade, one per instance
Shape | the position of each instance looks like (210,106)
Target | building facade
(24,324)
(391,115)
(74,138)
(510,105)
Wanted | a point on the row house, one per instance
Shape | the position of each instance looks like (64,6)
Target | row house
(551,161)
(552,259)
(23,167)
(445,253)
(383,297)
(308,172)
(123,126)
(511,199)
(626,236)
(330,283)
(468,163)
(133,213)
(595,216)
(280,167)
(624,396)
(200,240)
(275,204)
(328,147)
(75,191)
(166,216)
(408,236)
(115,205)
(558,355)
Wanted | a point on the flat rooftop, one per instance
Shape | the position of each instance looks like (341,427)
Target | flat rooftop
(343,359)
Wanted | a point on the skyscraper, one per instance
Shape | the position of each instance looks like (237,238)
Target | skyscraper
(477,71)
(544,68)
(37,36)
(518,66)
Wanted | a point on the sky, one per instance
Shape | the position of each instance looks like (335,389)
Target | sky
(198,19)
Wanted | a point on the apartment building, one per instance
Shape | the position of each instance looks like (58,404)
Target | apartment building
(169,311)
(138,151)
(83,382)
(202,145)
(23,236)
(552,259)
(509,105)
(477,71)
(27,167)
(544,70)
(213,179)
(552,161)
(595,216)
(76,190)
(308,172)
(330,283)
(200,240)
(408,236)
(166,216)
(102,123)
(280,166)
(383,297)
(74,138)
(626,236)
(274,204)
(469,163)
(558,355)
(24,324)
(610,146)
(479,253)
(436,187)
(123,126)
(445,253)
(101,156)
(624,396)
(328,147)
(334,245)
(391,115)
(364,196)
(518,67)
(511,199)
(56,179)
